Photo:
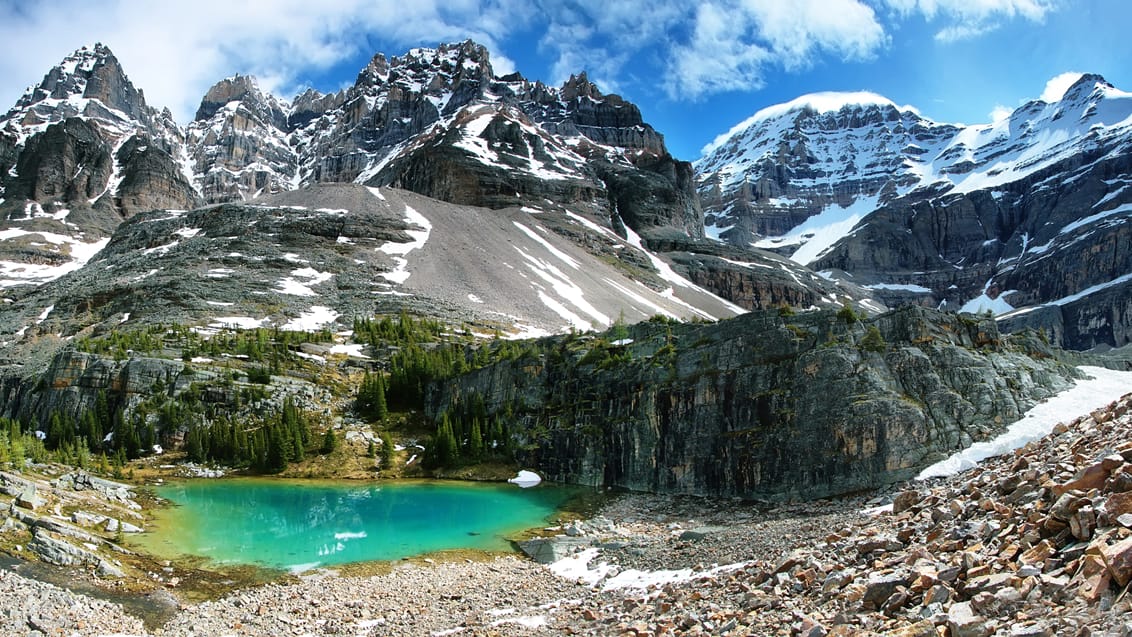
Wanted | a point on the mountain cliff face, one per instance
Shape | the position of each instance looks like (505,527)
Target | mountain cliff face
(79,153)
(1027,212)
(762,406)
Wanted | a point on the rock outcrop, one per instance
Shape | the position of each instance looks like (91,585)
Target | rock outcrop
(761,406)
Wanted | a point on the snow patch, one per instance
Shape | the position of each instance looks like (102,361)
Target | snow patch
(526,479)
(315,318)
(398,251)
(1101,388)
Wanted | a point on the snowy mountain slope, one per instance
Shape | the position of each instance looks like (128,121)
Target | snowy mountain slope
(321,255)
(1025,211)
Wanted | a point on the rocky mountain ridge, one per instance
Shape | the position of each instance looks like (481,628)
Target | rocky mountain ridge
(1026,213)
(437,122)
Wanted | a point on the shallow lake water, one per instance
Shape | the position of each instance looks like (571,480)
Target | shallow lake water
(299,525)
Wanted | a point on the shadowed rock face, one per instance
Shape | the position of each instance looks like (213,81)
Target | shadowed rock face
(69,161)
(761,406)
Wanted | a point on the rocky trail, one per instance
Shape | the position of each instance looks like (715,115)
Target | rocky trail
(1035,542)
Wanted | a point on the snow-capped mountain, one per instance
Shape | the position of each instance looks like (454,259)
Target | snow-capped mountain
(78,153)
(526,166)
(1026,212)
(440,123)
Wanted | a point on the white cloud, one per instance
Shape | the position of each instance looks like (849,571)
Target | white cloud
(968,19)
(733,44)
(1056,87)
(175,50)
(999,113)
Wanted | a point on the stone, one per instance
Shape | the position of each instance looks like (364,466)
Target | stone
(699,533)
(1094,577)
(1037,629)
(905,500)
(1067,504)
(29,498)
(552,549)
(925,628)
(962,621)
(1038,553)
(1118,559)
(938,594)
(1119,504)
(988,583)
(85,518)
(880,587)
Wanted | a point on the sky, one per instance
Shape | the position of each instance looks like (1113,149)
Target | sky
(695,69)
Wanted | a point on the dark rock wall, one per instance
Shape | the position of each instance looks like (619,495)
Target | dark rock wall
(762,406)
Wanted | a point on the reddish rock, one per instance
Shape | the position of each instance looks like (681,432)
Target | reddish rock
(1118,559)
(1094,578)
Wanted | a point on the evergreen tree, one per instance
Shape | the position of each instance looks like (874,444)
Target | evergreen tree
(278,450)
(475,441)
(194,446)
(447,451)
(386,450)
(330,441)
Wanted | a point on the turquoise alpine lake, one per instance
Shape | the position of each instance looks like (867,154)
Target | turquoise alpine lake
(299,525)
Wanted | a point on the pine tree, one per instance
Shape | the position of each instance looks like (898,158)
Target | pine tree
(386,450)
(194,446)
(475,441)
(447,449)
(330,441)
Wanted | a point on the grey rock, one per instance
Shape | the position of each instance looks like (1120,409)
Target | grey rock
(962,621)
(551,549)
(880,588)
(29,498)
(59,552)
(699,533)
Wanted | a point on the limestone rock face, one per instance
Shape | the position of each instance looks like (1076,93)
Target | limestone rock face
(69,161)
(762,406)
(238,142)
(74,379)
(151,178)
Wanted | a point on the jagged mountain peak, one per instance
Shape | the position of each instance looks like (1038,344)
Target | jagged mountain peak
(1088,84)
(89,73)
(238,88)
(429,69)
(579,85)
(848,105)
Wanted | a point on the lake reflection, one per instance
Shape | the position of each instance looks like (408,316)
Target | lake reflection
(300,525)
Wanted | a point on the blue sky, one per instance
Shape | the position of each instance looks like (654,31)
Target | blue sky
(694,68)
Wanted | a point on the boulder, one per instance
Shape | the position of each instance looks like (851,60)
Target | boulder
(547,550)
(29,498)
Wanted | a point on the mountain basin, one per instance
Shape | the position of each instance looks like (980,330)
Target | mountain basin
(298,525)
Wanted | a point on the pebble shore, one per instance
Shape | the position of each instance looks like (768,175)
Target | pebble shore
(1033,543)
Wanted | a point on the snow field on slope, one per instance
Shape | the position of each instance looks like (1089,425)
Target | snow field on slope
(13,273)
(399,251)
(1102,387)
